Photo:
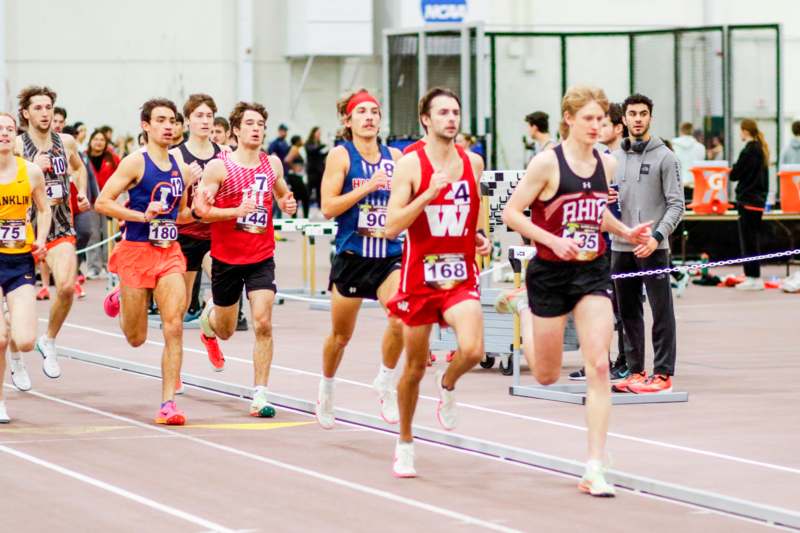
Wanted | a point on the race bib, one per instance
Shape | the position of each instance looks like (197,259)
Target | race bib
(163,232)
(12,233)
(55,191)
(445,271)
(458,193)
(255,222)
(371,220)
(588,238)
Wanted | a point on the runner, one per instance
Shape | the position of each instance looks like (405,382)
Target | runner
(21,184)
(567,191)
(236,197)
(355,190)
(435,196)
(149,261)
(56,154)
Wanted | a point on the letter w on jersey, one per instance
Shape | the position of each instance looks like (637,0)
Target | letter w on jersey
(447,220)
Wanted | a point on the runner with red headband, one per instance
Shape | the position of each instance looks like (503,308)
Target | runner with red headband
(355,190)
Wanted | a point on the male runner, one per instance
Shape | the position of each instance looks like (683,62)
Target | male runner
(567,191)
(21,184)
(236,197)
(56,154)
(435,195)
(355,190)
(149,261)
(220,133)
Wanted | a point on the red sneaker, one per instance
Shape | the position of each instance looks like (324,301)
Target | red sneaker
(632,379)
(431,358)
(43,294)
(80,294)
(215,356)
(652,385)
(111,303)
(450,356)
(81,279)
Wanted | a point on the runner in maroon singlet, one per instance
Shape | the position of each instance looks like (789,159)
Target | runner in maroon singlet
(435,196)
(236,197)
(567,190)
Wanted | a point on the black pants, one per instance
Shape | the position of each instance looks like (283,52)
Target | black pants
(629,292)
(749,227)
(300,192)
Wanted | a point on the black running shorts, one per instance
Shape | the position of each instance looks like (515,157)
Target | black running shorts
(556,287)
(360,277)
(194,250)
(227,281)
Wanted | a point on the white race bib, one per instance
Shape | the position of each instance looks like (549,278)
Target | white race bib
(12,233)
(255,222)
(371,220)
(445,271)
(55,191)
(163,232)
(587,237)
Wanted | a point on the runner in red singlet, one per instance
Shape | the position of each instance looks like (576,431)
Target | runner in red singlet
(435,196)
(235,196)
(567,191)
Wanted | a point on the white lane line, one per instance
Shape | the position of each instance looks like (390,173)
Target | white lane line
(364,489)
(498,412)
(147,502)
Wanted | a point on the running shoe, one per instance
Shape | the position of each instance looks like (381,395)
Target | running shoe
(50,366)
(43,294)
(510,301)
(403,466)
(81,279)
(4,419)
(578,375)
(324,410)
(261,407)
(241,323)
(594,481)
(179,386)
(111,303)
(80,293)
(215,356)
(681,284)
(751,284)
(192,315)
(626,383)
(170,415)
(450,356)
(446,408)
(652,385)
(619,371)
(387,396)
(792,283)
(431,358)
(19,374)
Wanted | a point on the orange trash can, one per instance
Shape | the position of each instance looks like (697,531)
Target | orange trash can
(790,188)
(710,187)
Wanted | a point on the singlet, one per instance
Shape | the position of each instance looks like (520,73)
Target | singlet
(56,182)
(439,251)
(575,211)
(249,239)
(418,144)
(196,230)
(156,185)
(360,228)
(16,232)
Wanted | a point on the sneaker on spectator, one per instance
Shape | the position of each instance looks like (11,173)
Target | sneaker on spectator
(792,283)
(751,284)
(631,380)
(654,384)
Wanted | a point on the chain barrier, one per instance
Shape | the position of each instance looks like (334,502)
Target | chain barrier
(699,266)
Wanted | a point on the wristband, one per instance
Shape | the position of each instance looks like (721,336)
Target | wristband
(658,237)
(195,216)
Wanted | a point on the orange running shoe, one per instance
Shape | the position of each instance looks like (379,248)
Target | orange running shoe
(624,385)
(43,294)
(652,385)
(80,294)
(215,356)
(170,415)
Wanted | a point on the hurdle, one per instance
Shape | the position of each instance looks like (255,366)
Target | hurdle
(296,225)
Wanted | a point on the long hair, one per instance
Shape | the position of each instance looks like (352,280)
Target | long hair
(310,139)
(749,125)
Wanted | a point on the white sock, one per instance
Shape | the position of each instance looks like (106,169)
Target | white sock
(260,389)
(522,304)
(205,325)
(327,384)
(594,464)
(385,374)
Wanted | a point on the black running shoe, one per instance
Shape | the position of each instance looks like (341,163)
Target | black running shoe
(241,324)
(619,372)
(578,375)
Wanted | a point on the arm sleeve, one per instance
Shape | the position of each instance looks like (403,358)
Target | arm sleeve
(673,194)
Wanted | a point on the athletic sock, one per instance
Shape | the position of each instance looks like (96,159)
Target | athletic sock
(205,326)
(522,305)
(260,389)
(385,374)
(327,384)
(594,464)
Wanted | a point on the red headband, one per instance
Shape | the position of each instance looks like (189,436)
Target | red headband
(360,98)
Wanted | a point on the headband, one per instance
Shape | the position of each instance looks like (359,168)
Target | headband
(360,98)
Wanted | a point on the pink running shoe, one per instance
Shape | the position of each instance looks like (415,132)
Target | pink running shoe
(215,356)
(111,303)
(170,415)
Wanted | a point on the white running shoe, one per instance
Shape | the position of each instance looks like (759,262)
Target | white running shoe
(446,408)
(594,481)
(387,396)
(751,284)
(19,374)
(324,410)
(403,466)
(4,419)
(47,348)
(792,283)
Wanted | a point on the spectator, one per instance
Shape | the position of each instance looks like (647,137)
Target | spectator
(791,152)
(108,131)
(315,163)
(280,147)
(464,141)
(294,179)
(80,132)
(294,150)
(221,132)
(751,176)
(649,189)
(688,151)
(539,130)
(141,139)
(716,149)
(102,160)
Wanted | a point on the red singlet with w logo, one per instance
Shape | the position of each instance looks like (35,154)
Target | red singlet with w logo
(576,210)
(248,239)
(439,252)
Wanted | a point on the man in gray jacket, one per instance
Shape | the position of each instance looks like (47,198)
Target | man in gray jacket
(650,189)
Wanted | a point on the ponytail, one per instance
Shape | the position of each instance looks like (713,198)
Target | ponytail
(749,125)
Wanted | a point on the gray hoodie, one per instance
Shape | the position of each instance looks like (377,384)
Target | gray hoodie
(791,153)
(649,189)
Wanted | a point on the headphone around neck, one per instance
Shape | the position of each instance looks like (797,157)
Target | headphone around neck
(638,146)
